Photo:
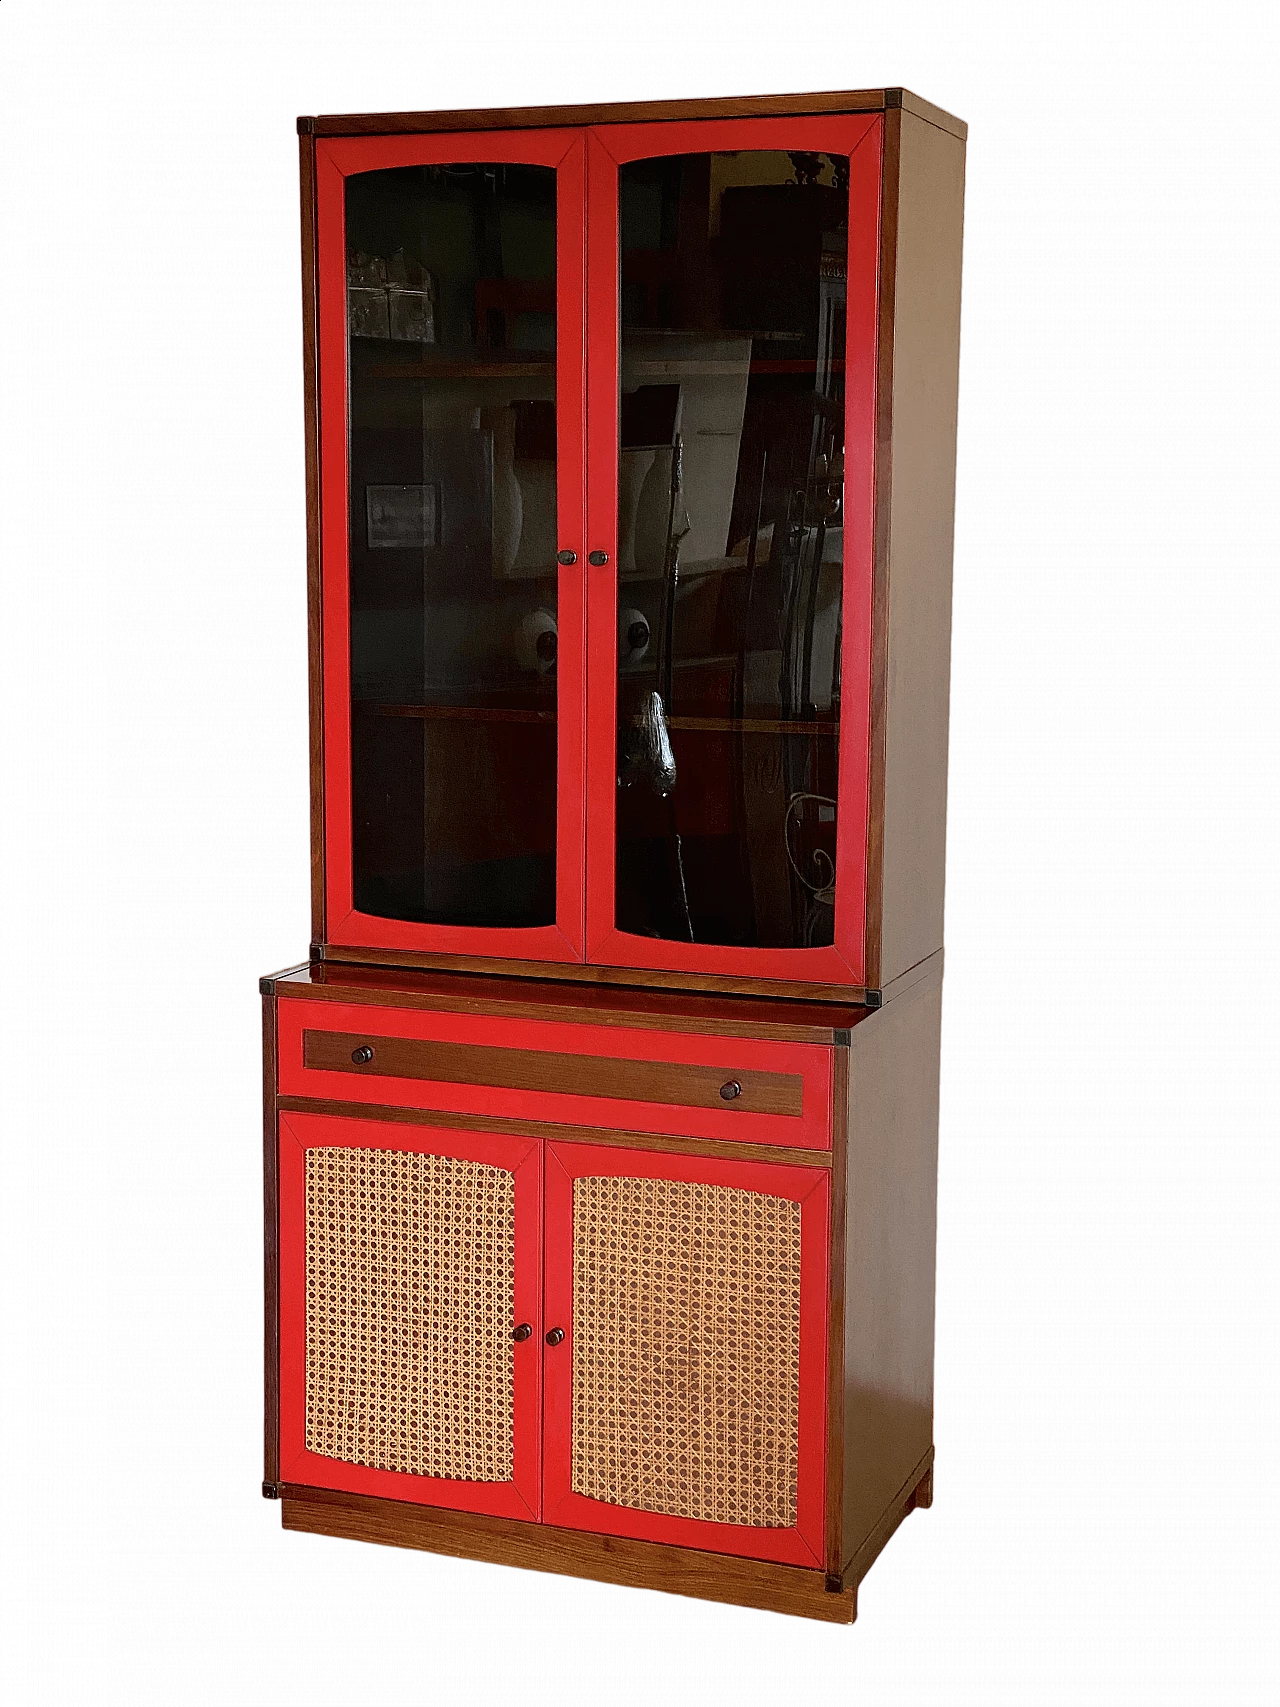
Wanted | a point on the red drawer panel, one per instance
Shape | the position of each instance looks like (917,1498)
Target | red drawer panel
(581,1075)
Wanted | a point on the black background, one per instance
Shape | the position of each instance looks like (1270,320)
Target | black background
(241,755)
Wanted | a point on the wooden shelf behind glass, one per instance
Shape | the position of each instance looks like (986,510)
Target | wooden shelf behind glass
(457,713)
(751,726)
(524,714)
(529,367)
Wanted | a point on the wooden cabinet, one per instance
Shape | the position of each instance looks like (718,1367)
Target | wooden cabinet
(601,1123)
(613,1339)
(739,1303)
(631,542)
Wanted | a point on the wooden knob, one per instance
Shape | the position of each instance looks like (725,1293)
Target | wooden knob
(731,1091)
(362,1056)
(555,1336)
(522,1333)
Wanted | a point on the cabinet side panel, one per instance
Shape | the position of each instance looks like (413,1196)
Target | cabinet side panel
(926,355)
(270,1250)
(839,1261)
(890,1255)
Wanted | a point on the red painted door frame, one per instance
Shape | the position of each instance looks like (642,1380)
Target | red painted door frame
(803,1545)
(336,159)
(861,138)
(521,1497)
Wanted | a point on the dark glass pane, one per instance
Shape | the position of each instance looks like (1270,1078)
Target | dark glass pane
(452,331)
(730,532)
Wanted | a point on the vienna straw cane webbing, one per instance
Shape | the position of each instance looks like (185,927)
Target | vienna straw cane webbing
(686,1354)
(410,1266)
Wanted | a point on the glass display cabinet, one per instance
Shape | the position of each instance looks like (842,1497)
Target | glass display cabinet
(631,446)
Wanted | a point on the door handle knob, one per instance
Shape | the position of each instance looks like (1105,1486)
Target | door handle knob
(362,1056)
(568,558)
(599,558)
(555,1336)
(522,1333)
(730,1091)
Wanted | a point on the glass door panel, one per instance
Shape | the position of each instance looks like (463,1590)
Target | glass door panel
(451,327)
(730,548)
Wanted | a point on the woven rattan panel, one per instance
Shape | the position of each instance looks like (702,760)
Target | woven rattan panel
(409,1308)
(686,1361)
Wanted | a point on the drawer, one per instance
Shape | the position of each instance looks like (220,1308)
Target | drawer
(631,1079)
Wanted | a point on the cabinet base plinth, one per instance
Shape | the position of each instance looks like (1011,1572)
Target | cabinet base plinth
(570,1552)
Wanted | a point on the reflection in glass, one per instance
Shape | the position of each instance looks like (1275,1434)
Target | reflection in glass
(730,528)
(451,338)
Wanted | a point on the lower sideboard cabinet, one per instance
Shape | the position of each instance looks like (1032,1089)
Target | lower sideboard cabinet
(602,1346)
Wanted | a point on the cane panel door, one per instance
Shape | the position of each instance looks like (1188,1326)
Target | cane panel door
(410,1292)
(685,1371)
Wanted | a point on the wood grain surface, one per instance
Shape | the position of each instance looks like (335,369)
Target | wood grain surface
(625,1080)
(572,1552)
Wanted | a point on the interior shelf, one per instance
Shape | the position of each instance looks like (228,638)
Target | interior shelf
(693,725)
(533,367)
(457,713)
(536,367)
(751,726)
(678,367)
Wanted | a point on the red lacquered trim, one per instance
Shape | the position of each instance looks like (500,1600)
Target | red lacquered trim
(802,1545)
(520,1497)
(813,965)
(811,1129)
(336,160)
(861,138)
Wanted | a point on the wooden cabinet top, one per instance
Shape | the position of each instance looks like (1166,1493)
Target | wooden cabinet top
(634,112)
(595,1004)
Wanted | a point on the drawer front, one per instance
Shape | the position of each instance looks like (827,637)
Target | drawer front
(644,1081)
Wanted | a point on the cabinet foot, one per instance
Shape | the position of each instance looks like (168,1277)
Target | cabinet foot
(922,1499)
(915,1494)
